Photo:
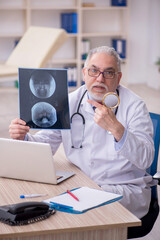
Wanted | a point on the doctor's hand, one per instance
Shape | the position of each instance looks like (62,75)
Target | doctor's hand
(18,129)
(106,119)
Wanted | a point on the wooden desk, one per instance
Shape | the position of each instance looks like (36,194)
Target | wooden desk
(106,222)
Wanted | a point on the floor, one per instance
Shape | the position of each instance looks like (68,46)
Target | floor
(9,110)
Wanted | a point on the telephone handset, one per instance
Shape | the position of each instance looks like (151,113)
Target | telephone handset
(25,213)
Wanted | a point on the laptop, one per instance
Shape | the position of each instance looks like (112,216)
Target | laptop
(30,161)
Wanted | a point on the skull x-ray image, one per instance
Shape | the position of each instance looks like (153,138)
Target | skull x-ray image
(42,84)
(44,114)
(43,98)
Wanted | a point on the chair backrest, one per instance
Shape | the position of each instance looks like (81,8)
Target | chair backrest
(156,137)
(36,47)
(149,219)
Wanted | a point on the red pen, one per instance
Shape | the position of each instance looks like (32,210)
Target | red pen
(69,192)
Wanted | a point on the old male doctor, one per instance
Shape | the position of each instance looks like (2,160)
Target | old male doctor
(113,148)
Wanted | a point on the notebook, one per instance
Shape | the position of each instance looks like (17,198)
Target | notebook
(29,161)
(82,199)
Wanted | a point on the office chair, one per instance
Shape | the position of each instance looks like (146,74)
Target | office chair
(34,49)
(149,219)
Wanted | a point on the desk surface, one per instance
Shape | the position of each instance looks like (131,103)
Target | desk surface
(110,216)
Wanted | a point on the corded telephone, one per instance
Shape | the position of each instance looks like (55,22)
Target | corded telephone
(25,213)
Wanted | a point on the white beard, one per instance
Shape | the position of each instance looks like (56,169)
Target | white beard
(98,98)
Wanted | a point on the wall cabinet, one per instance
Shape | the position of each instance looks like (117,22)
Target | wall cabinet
(97,23)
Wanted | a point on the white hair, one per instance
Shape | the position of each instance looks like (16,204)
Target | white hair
(107,50)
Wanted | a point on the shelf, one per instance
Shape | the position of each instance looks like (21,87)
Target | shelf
(12,8)
(103,34)
(102,8)
(11,35)
(54,8)
(72,35)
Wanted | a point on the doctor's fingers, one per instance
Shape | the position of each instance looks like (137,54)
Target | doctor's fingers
(18,121)
(102,111)
(18,129)
(19,125)
(18,134)
(106,117)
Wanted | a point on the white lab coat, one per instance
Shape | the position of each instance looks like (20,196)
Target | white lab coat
(121,171)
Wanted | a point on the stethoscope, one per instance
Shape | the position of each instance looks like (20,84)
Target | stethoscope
(77,142)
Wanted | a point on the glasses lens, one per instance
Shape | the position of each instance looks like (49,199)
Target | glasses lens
(93,72)
(108,74)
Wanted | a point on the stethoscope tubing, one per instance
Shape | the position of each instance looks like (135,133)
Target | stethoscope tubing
(77,112)
(83,119)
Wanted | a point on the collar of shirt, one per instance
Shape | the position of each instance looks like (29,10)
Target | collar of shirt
(89,97)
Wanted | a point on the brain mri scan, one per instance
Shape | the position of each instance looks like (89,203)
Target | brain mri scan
(42,84)
(43,114)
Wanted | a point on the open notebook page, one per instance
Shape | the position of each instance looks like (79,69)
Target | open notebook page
(88,198)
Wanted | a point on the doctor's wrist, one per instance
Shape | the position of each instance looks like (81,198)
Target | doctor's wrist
(118,131)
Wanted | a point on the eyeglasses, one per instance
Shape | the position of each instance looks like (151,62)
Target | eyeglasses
(93,72)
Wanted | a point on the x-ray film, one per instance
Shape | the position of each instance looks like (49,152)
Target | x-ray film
(43,98)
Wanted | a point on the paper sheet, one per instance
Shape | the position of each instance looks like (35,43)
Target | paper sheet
(88,198)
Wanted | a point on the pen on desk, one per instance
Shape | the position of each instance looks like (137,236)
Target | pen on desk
(69,192)
(32,195)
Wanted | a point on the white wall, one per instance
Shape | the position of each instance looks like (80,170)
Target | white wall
(144,42)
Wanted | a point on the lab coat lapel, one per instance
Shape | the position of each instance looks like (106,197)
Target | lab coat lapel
(87,107)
